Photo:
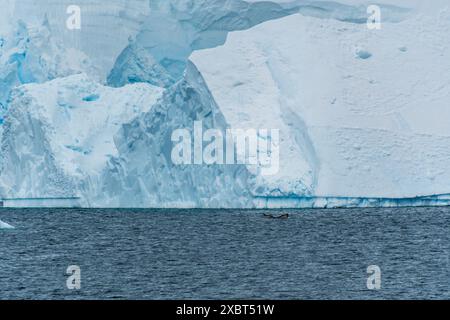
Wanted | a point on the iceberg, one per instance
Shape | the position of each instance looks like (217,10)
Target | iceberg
(87,116)
(4,225)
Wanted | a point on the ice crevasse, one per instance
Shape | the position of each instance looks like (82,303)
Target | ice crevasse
(363,114)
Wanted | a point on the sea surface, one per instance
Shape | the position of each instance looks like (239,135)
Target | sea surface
(225,254)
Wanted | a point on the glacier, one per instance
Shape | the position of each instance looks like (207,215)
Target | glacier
(87,115)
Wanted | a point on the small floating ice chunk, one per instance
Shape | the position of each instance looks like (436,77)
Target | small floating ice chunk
(4,225)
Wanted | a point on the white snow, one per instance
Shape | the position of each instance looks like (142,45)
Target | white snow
(363,113)
(66,128)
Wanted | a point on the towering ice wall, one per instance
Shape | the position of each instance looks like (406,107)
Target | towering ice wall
(144,173)
(362,113)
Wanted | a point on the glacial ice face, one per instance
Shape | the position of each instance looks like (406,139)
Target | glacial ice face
(362,113)
(174,29)
(136,64)
(30,54)
(144,174)
(66,163)
(36,45)
(58,136)
(105,27)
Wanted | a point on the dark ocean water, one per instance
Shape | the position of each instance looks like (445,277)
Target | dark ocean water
(213,254)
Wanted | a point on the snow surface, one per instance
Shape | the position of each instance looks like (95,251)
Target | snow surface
(363,113)
(89,113)
(61,134)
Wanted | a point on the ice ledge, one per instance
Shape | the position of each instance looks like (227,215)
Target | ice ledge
(442,200)
(350,202)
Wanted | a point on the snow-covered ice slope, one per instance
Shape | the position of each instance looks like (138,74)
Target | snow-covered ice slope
(363,113)
(58,136)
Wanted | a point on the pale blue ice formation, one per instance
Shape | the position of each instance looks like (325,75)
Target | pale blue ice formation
(5,226)
(86,116)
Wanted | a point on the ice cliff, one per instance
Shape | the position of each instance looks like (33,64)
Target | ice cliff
(363,114)
(144,175)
